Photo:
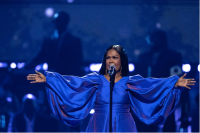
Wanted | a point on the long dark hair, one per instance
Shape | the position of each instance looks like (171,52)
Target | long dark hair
(124,60)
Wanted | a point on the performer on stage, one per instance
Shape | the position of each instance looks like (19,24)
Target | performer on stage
(151,99)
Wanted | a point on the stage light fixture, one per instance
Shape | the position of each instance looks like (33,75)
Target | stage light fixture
(70,1)
(131,67)
(20,65)
(38,67)
(49,12)
(3,65)
(95,67)
(9,99)
(186,67)
(13,65)
(45,66)
(92,111)
(30,96)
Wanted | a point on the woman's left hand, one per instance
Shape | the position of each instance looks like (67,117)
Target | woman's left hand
(185,82)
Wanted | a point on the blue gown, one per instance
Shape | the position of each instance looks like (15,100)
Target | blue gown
(151,99)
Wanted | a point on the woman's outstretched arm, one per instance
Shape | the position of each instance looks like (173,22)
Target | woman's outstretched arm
(185,82)
(37,78)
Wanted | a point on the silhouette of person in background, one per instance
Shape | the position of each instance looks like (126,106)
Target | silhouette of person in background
(60,49)
(159,62)
(29,119)
(9,103)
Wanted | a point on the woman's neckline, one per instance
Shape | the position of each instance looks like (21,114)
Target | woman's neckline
(109,81)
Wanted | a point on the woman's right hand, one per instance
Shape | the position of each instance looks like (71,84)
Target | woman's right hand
(38,78)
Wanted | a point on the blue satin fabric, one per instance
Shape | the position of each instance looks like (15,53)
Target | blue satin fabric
(117,108)
(71,98)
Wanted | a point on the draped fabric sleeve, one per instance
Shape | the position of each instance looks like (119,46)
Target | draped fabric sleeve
(153,99)
(71,98)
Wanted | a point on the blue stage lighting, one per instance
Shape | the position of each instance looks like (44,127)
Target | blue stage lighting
(30,96)
(95,67)
(92,111)
(70,1)
(13,65)
(49,12)
(45,66)
(38,67)
(9,99)
(131,67)
(20,65)
(3,65)
(186,67)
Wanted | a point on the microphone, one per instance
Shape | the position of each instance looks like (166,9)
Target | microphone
(111,71)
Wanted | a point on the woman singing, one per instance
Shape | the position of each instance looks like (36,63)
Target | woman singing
(151,99)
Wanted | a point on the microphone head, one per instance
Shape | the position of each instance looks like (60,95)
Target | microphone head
(112,70)
(112,66)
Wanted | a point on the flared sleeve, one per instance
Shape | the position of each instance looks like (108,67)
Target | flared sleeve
(71,98)
(153,99)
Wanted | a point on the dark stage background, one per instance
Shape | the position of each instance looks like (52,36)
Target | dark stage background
(98,24)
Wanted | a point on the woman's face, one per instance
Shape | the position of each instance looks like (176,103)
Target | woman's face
(113,57)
